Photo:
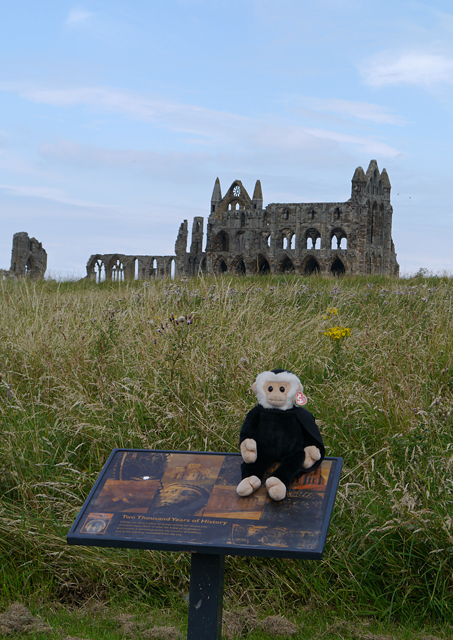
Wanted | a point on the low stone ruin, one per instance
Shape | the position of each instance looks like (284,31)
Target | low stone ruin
(28,258)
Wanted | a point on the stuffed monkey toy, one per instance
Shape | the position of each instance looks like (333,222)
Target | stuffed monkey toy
(278,429)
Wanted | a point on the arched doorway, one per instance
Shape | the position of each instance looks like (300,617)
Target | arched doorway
(337,268)
(240,268)
(263,265)
(311,267)
(286,266)
(221,266)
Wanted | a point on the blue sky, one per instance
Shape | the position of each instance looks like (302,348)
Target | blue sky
(116,117)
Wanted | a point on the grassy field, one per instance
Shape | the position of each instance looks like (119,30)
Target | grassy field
(86,368)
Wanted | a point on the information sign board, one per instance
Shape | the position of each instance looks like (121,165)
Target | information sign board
(187,501)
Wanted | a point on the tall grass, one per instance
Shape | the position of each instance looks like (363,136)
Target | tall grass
(86,368)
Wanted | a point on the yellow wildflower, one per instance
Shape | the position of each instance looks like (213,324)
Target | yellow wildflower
(337,333)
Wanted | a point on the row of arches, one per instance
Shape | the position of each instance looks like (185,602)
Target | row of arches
(116,268)
(261,265)
(286,239)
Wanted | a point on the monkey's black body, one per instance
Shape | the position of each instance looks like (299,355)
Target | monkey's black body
(280,436)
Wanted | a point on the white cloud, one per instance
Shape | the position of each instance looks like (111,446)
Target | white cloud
(78,17)
(221,130)
(184,118)
(415,68)
(306,139)
(360,110)
(47,193)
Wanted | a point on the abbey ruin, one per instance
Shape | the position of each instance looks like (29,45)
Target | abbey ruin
(243,237)
(28,258)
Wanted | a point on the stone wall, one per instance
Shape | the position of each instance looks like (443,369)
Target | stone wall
(28,258)
(353,237)
(117,266)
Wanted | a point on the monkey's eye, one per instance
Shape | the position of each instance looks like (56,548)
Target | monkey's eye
(270,389)
(282,389)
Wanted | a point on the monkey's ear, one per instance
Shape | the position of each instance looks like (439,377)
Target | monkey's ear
(254,388)
(300,388)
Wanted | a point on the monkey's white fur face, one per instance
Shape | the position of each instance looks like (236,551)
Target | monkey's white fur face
(267,388)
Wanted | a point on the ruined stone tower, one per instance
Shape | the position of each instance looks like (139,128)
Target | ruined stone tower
(28,258)
(242,237)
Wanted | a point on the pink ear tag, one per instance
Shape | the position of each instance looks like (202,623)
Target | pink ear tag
(300,399)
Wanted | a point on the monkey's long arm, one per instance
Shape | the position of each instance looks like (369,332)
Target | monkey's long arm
(313,445)
(249,427)
(249,450)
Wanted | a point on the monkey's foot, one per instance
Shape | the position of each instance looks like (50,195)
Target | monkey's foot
(248,486)
(275,488)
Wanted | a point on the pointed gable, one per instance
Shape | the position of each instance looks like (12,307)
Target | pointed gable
(359,175)
(373,171)
(385,179)
(217,192)
(238,194)
(235,198)
(257,193)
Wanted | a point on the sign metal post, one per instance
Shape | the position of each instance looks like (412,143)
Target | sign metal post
(206,596)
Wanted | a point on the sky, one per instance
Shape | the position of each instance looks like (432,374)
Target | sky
(117,116)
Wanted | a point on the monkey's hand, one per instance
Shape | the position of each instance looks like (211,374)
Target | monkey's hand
(248,450)
(312,455)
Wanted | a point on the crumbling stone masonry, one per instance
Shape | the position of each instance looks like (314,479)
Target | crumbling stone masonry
(28,258)
(353,237)
(117,266)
